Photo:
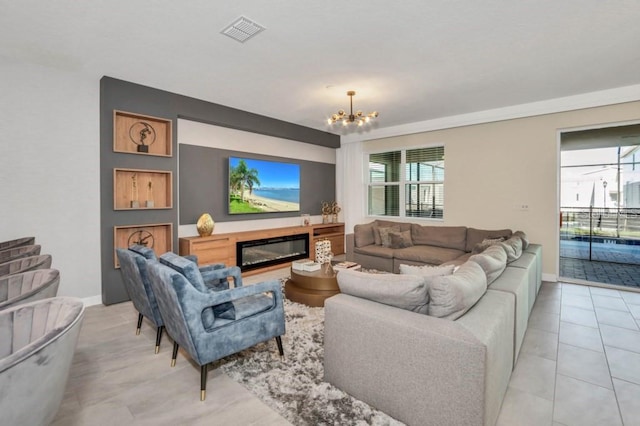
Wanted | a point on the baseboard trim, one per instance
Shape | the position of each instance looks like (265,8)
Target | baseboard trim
(552,278)
(92,301)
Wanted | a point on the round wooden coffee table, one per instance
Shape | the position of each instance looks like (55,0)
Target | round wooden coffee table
(311,288)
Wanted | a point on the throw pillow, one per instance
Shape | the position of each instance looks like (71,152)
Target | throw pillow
(453,295)
(401,291)
(427,270)
(385,239)
(400,239)
(485,244)
(523,237)
(493,261)
(513,247)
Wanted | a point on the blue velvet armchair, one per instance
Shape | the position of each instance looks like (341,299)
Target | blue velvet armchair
(210,325)
(133,267)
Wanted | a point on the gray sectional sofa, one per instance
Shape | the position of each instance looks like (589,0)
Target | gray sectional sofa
(427,369)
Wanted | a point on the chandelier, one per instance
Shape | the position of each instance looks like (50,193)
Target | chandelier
(358,117)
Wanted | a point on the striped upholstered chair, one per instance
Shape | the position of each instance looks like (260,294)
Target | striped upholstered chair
(36,350)
(28,287)
(25,264)
(18,242)
(19,252)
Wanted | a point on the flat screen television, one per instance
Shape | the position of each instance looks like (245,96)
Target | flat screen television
(263,186)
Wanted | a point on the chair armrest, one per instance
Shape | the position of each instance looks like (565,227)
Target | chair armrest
(191,257)
(212,277)
(213,298)
(211,267)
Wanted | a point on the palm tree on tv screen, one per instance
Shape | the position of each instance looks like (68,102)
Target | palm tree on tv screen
(242,177)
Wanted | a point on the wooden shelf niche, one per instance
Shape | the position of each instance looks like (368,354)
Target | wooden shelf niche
(141,134)
(152,190)
(157,236)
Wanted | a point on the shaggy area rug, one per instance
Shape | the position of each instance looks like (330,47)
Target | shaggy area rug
(293,386)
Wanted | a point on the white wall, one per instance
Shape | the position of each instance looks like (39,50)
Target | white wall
(49,168)
(493,168)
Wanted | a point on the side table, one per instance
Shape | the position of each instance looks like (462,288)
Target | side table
(311,288)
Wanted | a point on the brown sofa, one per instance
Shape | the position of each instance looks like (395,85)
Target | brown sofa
(429,245)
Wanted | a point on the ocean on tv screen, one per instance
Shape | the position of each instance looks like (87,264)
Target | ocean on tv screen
(291,195)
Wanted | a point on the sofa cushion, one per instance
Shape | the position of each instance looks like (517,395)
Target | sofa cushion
(439,236)
(493,261)
(402,291)
(427,254)
(485,244)
(513,248)
(385,238)
(400,239)
(427,271)
(363,235)
(374,250)
(475,236)
(453,295)
(387,224)
(523,237)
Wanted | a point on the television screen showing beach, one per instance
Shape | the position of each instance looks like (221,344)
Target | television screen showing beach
(260,186)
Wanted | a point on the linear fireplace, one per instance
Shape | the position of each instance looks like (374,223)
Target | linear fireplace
(271,251)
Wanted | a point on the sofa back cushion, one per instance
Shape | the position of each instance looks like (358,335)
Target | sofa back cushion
(451,296)
(493,261)
(402,291)
(454,237)
(476,236)
(363,234)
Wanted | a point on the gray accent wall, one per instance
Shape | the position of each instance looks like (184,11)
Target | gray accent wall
(134,98)
(204,172)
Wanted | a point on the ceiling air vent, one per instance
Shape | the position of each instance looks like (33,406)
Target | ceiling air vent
(242,29)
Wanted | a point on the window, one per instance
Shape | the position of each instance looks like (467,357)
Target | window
(407,183)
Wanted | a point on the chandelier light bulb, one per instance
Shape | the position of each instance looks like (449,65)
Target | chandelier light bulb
(359,117)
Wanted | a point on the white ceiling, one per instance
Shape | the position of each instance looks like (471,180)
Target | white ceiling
(410,60)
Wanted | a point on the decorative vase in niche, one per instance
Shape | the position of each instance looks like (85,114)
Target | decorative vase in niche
(205,225)
(325,218)
(335,218)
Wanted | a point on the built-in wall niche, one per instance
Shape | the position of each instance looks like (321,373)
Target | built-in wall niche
(141,134)
(142,189)
(156,236)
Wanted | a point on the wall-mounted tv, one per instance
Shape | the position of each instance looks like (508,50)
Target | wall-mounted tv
(261,186)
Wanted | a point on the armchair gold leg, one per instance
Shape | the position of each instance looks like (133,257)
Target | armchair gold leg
(175,354)
(159,337)
(139,324)
(203,382)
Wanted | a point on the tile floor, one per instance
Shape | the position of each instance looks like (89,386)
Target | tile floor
(579,365)
(580,360)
